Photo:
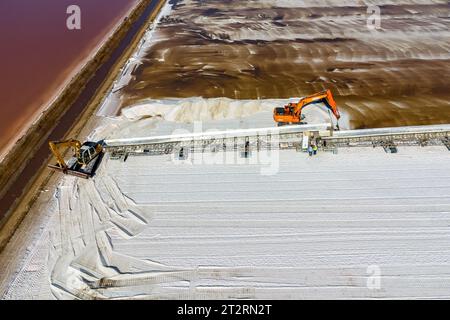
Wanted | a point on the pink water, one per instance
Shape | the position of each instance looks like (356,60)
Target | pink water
(38,53)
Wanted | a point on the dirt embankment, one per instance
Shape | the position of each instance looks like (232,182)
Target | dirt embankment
(15,162)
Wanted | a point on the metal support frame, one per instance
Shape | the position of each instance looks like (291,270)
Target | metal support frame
(289,139)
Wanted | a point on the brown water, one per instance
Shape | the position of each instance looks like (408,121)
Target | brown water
(38,52)
(241,49)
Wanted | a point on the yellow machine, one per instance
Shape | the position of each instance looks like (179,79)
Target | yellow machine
(292,113)
(82,163)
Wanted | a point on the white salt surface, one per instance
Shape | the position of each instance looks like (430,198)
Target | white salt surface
(357,224)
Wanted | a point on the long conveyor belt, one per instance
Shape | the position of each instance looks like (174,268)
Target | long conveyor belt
(281,137)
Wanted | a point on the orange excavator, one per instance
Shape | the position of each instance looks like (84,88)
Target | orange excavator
(292,113)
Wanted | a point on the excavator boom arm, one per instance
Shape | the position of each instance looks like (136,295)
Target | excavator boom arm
(55,145)
(292,113)
(324,97)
